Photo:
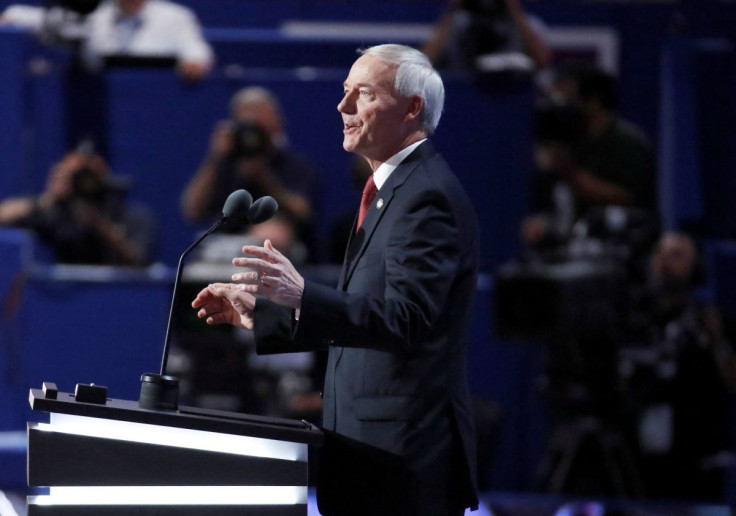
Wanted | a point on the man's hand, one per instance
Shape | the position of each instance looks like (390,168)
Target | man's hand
(272,276)
(225,303)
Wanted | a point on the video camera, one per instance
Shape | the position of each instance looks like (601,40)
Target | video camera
(533,301)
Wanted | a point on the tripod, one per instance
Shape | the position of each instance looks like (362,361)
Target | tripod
(587,455)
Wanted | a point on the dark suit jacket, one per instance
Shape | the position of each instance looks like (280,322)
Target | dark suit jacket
(397,414)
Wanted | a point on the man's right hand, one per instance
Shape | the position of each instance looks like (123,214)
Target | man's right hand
(225,303)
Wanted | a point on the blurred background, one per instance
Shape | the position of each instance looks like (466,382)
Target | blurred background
(596,138)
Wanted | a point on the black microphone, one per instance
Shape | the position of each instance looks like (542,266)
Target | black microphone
(262,210)
(234,210)
(159,391)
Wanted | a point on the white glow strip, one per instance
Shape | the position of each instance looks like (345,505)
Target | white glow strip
(352,31)
(177,437)
(179,495)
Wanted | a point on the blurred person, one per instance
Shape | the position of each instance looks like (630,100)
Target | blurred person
(82,217)
(471,29)
(27,16)
(53,22)
(682,381)
(397,416)
(590,159)
(615,162)
(148,28)
(250,151)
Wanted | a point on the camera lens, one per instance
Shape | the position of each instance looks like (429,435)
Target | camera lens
(250,140)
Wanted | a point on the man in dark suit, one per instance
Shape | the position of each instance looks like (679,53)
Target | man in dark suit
(397,417)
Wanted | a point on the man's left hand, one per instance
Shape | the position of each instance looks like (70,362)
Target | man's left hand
(272,275)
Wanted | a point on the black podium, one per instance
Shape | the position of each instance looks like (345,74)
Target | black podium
(111,457)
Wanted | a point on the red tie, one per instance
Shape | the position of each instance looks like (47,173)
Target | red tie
(369,193)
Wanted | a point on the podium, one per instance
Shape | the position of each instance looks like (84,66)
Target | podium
(112,457)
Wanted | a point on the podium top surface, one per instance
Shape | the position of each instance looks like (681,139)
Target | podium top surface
(185,417)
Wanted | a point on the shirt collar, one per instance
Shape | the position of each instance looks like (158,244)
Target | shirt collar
(384,169)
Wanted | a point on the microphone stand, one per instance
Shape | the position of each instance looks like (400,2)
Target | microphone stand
(159,391)
(175,294)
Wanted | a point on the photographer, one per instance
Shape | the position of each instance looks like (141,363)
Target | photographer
(249,151)
(81,216)
(471,29)
(594,169)
(679,369)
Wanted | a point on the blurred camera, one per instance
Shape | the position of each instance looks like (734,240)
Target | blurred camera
(554,122)
(88,185)
(535,301)
(249,140)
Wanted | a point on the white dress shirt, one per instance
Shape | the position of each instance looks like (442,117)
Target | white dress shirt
(160,29)
(384,169)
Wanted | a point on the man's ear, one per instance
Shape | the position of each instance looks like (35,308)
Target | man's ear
(414,108)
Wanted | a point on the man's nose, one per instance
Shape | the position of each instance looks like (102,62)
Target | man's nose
(345,105)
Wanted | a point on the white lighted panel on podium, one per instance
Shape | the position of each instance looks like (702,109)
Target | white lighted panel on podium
(114,458)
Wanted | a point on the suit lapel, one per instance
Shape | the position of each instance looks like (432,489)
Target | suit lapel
(359,240)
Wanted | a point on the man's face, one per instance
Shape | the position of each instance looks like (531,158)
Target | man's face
(374,117)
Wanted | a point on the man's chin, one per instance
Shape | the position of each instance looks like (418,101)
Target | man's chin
(349,145)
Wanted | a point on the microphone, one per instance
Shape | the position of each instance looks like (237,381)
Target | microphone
(159,391)
(262,210)
(234,210)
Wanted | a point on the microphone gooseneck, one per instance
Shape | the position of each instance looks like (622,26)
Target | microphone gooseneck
(235,209)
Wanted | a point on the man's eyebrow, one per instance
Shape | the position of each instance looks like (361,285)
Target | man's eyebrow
(357,85)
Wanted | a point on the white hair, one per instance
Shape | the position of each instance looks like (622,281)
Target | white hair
(415,75)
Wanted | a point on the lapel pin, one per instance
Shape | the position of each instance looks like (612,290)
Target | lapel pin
(379,204)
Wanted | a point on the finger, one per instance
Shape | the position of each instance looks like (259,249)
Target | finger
(234,292)
(245,289)
(268,245)
(240,298)
(202,297)
(218,318)
(252,277)
(258,265)
(219,288)
(203,312)
(261,252)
